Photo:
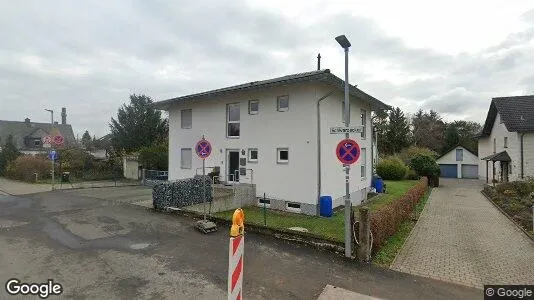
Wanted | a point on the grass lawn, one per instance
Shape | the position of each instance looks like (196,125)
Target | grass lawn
(393,245)
(330,228)
(395,189)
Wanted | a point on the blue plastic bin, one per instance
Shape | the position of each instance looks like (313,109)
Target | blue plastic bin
(325,206)
(379,185)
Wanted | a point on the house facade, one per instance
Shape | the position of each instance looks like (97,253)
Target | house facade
(459,162)
(274,134)
(28,136)
(506,144)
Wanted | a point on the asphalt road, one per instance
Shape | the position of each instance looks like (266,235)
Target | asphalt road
(98,245)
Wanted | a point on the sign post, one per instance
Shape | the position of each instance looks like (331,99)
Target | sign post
(203,150)
(52,155)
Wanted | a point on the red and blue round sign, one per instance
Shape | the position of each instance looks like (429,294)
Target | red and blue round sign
(203,148)
(348,151)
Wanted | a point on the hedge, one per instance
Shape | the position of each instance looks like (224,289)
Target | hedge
(391,168)
(386,220)
(26,166)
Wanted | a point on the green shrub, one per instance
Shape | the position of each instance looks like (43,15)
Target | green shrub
(425,165)
(25,167)
(523,188)
(412,175)
(155,157)
(411,152)
(391,168)
(386,220)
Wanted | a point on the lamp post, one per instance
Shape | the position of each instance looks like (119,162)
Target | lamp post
(51,149)
(345,44)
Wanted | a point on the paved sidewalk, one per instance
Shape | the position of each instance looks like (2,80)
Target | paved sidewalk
(21,188)
(462,238)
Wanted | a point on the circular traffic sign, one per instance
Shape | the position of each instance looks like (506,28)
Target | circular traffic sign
(203,148)
(348,151)
(58,140)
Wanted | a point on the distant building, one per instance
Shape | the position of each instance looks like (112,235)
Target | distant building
(28,136)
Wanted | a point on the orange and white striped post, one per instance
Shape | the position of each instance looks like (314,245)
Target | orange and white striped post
(235,256)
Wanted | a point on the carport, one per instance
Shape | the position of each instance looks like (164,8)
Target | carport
(504,160)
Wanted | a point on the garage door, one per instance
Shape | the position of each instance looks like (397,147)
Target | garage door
(449,171)
(469,171)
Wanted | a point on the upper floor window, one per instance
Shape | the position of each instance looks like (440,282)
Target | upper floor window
(282,103)
(233,120)
(253,107)
(459,154)
(363,117)
(505,142)
(187,118)
(494,145)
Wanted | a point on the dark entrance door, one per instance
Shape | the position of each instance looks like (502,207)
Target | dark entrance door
(233,165)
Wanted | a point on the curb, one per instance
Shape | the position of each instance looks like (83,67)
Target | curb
(287,235)
(508,216)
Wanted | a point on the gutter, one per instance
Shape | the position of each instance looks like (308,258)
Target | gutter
(522,156)
(319,146)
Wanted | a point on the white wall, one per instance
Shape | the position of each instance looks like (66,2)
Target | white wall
(333,176)
(130,167)
(266,131)
(485,148)
(450,158)
(528,152)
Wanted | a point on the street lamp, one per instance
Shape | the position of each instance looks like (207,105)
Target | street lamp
(51,127)
(345,44)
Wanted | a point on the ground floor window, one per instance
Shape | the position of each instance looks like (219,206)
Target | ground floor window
(282,155)
(186,158)
(363,160)
(252,155)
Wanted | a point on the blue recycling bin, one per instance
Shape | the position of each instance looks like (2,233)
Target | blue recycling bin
(379,184)
(325,206)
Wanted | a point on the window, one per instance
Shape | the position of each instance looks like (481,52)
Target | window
(252,155)
(282,155)
(282,103)
(494,145)
(293,206)
(187,118)
(363,116)
(37,142)
(266,202)
(363,166)
(253,107)
(505,142)
(233,120)
(186,158)
(459,154)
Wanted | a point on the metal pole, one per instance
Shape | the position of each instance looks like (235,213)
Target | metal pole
(204,186)
(348,206)
(52,149)
(532,218)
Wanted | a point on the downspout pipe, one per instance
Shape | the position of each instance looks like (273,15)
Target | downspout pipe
(319,147)
(522,155)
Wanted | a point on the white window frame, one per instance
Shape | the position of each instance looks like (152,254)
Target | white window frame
(228,122)
(294,209)
(190,157)
(267,202)
(505,142)
(363,164)
(250,111)
(462,154)
(278,151)
(278,107)
(250,159)
(363,117)
(185,126)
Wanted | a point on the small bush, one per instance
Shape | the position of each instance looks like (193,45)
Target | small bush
(412,175)
(386,220)
(425,165)
(24,168)
(391,168)
(523,188)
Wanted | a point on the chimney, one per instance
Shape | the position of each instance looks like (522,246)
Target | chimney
(63,115)
(27,120)
(318,61)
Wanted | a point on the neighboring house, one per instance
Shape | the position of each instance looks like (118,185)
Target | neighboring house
(27,135)
(275,133)
(506,143)
(458,163)
(101,147)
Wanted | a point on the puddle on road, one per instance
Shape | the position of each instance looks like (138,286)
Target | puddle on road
(58,233)
(139,246)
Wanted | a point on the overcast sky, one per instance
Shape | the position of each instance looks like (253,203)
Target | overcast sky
(88,56)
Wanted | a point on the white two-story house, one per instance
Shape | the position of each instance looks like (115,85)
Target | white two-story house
(506,144)
(275,134)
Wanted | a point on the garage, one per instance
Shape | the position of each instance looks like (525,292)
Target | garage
(448,171)
(470,171)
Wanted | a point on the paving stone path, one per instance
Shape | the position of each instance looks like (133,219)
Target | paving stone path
(462,238)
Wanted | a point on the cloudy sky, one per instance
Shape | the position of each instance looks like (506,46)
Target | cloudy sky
(88,56)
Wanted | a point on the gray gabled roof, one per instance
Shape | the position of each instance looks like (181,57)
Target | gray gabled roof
(315,76)
(20,130)
(517,114)
(501,156)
